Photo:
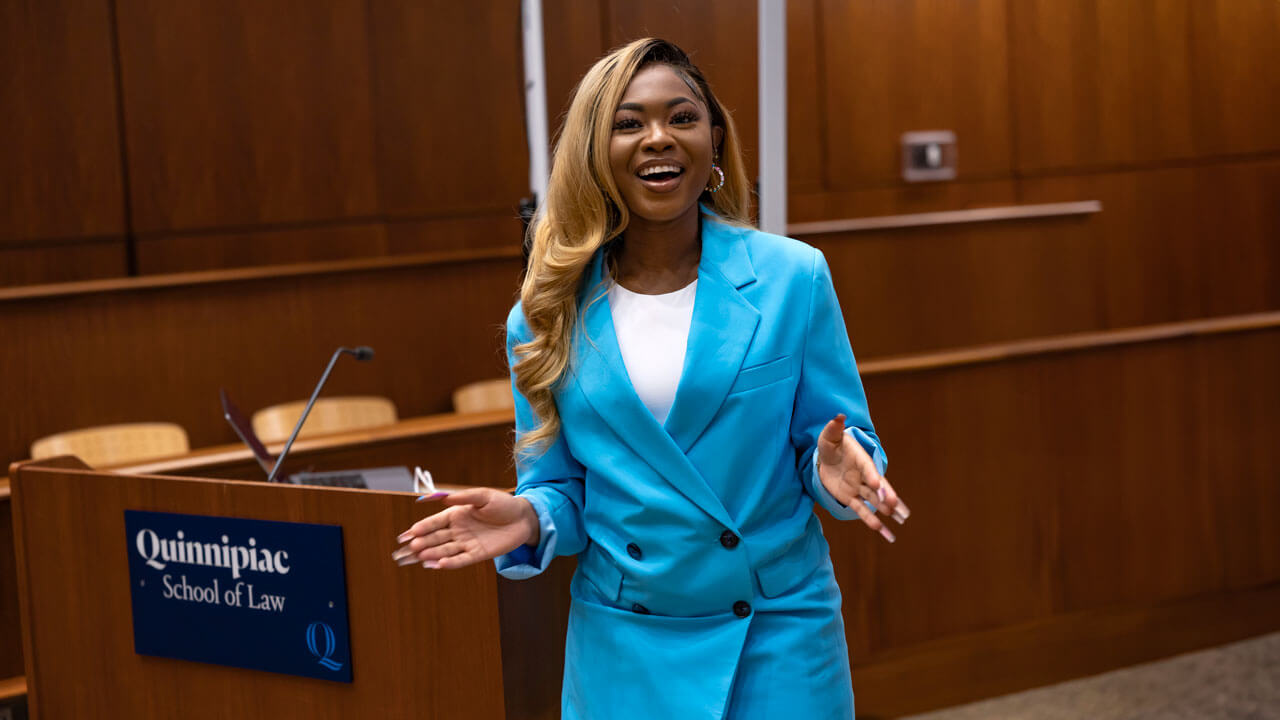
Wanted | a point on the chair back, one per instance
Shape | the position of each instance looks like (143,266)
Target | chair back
(328,415)
(483,396)
(115,444)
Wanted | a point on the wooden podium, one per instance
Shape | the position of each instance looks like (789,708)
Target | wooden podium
(424,644)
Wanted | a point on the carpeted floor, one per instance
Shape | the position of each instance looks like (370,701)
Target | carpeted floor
(1233,682)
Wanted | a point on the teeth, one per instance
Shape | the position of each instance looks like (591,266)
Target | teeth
(645,172)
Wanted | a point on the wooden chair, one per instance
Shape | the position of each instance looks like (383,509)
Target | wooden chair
(328,415)
(483,396)
(115,444)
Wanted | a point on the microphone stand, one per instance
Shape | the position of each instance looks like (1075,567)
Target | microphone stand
(361,353)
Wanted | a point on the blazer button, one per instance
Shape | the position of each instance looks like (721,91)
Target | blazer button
(634,551)
(728,540)
(638,608)
(741,609)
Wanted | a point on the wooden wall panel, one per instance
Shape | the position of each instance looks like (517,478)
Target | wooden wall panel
(161,352)
(209,251)
(458,233)
(928,288)
(59,138)
(893,66)
(1238,389)
(1060,483)
(1180,243)
(1101,83)
(448,92)
(241,113)
(806,100)
(721,40)
(51,262)
(573,39)
(907,199)
(323,242)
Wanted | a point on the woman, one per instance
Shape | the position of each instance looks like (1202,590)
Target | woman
(685,391)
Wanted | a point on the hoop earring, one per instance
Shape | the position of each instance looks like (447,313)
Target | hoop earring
(716,168)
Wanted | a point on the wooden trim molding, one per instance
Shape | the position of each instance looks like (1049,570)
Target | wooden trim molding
(1070,343)
(211,277)
(947,217)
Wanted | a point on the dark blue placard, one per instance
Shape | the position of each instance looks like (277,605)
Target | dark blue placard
(253,594)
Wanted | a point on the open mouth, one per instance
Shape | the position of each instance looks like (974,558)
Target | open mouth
(660,177)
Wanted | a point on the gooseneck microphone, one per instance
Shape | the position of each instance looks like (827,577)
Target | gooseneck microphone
(362,353)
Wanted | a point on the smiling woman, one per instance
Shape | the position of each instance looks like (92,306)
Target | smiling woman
(685,392)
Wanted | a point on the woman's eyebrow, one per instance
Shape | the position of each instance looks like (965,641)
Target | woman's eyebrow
(637,107)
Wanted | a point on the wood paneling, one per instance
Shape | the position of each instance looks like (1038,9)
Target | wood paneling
(1107,83)
(186,253)
(51,262)
(806,100)
(917,198)
(1070,481)
(458,233)
(572,41)
(914,65)
(720,39)
(916,289)
(159,349)
(240,113)
(449,98)
(207,251)
(1169,245)
(1179,243)
(1238,391)
(59,139)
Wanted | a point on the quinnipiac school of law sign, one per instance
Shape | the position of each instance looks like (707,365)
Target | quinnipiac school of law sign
(254,594)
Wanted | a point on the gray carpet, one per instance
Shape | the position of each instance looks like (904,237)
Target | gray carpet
(1231,682)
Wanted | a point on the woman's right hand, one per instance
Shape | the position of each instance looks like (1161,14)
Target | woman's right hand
(479,524)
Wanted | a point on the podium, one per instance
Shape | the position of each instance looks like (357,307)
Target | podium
(423,644)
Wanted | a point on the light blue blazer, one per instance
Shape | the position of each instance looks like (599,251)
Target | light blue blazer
(704,587)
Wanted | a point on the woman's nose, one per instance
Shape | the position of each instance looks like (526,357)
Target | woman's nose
(657,138)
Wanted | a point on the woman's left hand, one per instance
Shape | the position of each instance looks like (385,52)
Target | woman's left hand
(849,474)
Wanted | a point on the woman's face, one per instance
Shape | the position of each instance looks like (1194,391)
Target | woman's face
(662,145)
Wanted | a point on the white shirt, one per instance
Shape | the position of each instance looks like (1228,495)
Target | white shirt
(653,333)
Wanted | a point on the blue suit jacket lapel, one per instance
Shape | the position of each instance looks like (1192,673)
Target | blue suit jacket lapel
(602,377)
(723,325)
(721,330)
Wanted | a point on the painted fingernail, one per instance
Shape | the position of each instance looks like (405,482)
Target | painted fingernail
(433,496)
(405,536)
(431,564)
(880,493)
(402,551)
(887,534)
(407,559)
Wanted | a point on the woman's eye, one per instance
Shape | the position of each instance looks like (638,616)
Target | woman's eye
(626,124)
(684,118)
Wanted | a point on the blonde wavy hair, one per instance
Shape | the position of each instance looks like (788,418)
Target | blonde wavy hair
(584,211)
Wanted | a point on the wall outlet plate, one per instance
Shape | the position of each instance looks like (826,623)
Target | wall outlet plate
(928,155)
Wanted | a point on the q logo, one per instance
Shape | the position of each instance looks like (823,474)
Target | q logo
(319,634)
